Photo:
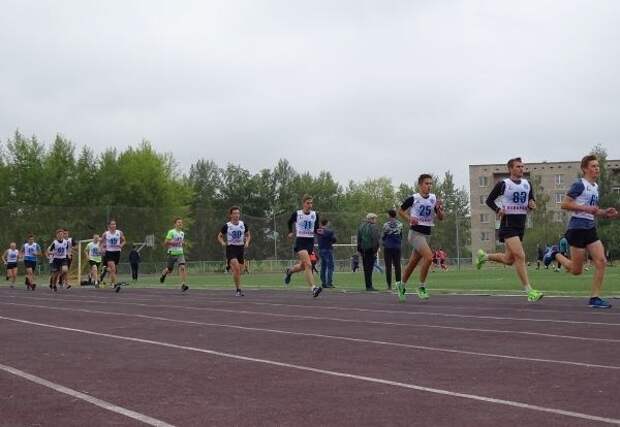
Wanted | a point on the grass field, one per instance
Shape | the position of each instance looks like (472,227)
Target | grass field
(491,280)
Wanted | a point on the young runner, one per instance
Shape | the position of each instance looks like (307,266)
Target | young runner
(517,199)
(420,211)
(306,222)
(93,254)
(174,242)
(235,237)
(58,249)
(30,252)
(112,242)
(65,277)
(582,200)
(9,258)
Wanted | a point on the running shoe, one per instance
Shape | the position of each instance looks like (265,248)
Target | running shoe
(55,288)
(184,287)
(597,302)
(534,295)
(287,277)
(33,286)
(422,294)
(68,286)
(316,291)
(481,258)
(402,292)
(117,287)
(239,293)
(162,278)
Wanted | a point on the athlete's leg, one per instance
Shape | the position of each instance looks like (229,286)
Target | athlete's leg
(426,255)
(574,265)
(112,271)
(411,265)
(235,268)
(183,273)
(505,258)
(306,265)
(515,252)
(597,254)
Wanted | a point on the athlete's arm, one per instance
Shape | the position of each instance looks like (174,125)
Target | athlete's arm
(292,220)
(104,240)
(220,236)
(403,211)
(248,237)
(531,204)
(439,210)
(4,256)
(86,252)
(123,240)
(497,191)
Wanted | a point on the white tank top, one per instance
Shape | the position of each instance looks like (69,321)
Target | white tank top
(589,197)
(304,227)
(61,249)
(11,255)
(516,197)
(235,234)
(112,241)
(423,209)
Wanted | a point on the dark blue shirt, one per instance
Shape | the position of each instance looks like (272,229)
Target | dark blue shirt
(325,238)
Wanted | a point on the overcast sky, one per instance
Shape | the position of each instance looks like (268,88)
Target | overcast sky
(359,88)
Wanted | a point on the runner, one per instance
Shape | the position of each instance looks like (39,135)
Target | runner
(174,242)
(9,258)
(65,277)
(235,237)
(58,249)
(30,253)
(112,242)
(93,254)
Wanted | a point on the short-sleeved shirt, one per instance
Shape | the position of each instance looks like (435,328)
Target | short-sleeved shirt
(177,237)
(235,233)
(585,194)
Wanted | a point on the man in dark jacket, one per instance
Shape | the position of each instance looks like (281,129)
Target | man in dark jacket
(368,235)
(392,237)
(326,239)
(134,262)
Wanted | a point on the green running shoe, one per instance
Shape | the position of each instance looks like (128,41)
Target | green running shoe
(534,295)
(481,258)
(402,292)
(422,294)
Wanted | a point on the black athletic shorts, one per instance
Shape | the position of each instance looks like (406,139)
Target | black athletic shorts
(30,264)
(508,232)
(115,257)
(304,244)
(58,263)
(11,265)
(91,263)
(581,238)
(235,252)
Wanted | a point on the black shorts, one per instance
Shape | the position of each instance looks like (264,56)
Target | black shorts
(11,265)
(304,244)
(58,263)
(235,252)
(581,238)
(114,257)
(91,263)
(508,232)
(30,264)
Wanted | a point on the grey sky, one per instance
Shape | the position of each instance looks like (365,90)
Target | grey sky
(359,88)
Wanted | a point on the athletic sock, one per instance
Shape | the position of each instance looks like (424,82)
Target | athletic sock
(527,288)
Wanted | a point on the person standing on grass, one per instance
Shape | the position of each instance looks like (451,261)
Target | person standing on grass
(58,249)
(112,242)
(235,237)
(368,237)
(31,251)
(540,255)
(305,222)
(93,255)
(326,239)
(134,262)
(174,242)
(9,258)
(517,199)
(392,237)
(582,200)
(420,210)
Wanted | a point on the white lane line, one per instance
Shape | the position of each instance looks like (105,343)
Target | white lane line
(324,336)
(85,397)
(342,320)
(510,403)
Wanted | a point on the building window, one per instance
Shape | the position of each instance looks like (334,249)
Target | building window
(484,181)
(485,236)
(559,180)
(559,197)
(483,200)
(484,218)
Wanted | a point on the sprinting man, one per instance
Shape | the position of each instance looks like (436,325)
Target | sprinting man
(9,258)
(58,249)
(582,200)
(112,242)
(93,254)
(306,222)
(235,237)
(174,242)
(420,211)
(31,251)
(517,200)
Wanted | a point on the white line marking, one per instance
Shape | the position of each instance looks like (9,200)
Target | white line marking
(510,403)
(85,397)
(324,336)
(337,319)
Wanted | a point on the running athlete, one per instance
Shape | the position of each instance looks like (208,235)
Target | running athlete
(306,222)
(9,258)
(174,242)
(235,237)
(517,198)
(582,200)
(93,254)
(30,252)
(58,249)
(65,277)
(112,242)
(420,211)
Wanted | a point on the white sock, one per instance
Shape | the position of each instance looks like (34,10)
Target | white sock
(527,288)
(422,285)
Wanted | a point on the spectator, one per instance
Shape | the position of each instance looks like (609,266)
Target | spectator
(326,239)
(368,236)
(355,262)
(441,257)
(134,262)
(392,237)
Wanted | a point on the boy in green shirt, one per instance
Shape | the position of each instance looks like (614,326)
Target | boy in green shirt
(174,243)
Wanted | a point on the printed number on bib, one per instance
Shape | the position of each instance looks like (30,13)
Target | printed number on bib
(519,197)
